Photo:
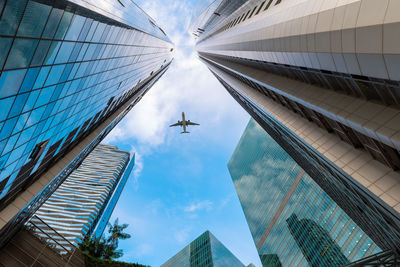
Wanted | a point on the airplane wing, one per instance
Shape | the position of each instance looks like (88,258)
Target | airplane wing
(191,123)
(176,124)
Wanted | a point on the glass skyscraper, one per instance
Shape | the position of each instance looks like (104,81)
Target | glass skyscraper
(204,251)
(293,221)
(70,70)
(321,78)
(83,203)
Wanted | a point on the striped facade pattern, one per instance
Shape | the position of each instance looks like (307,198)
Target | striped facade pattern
(77,205)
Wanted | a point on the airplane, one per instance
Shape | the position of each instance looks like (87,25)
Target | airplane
(184,123)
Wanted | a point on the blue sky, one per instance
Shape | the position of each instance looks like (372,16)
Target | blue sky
(181,186)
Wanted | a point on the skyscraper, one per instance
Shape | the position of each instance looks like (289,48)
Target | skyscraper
(83,203)
(315,242)
(293,221)
(204,251)
(68,76)
(270,260)
(321,78)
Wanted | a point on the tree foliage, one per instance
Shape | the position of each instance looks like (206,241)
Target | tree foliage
(116,232)
(106,247)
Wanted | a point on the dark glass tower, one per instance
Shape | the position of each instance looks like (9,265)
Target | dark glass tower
(315,242)
(293,221)
(270,260)
(321,78)
(204,251)
(70,70)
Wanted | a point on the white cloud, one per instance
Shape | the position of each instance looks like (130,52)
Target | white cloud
(182,236)
(187,86)
(201,205)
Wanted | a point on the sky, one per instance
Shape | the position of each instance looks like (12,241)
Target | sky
(180,185)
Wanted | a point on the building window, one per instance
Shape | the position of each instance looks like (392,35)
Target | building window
(259,9)
(38,150)
(269,3)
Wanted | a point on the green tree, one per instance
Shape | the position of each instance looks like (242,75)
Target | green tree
(116,232)
(106,248)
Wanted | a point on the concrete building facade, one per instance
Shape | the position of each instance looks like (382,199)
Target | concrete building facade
(321,78)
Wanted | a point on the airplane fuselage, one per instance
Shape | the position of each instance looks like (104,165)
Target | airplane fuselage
(184,123)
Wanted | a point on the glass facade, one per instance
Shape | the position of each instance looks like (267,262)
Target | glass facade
(65,71)
(83,203)
(292,220)
(204,251)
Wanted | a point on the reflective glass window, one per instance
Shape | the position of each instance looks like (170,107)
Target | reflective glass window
(82,69)
(91,31)
(21,53)
(44,96)
(73,71)
(10,81)
(75,28)
(85,29)
(5,44)
(41,52)
(10,143)
(75,52)
(29,80)
(114,34)
(54,74)
(35,116)
(41,77)
(5,105)
(52,23)
(15,154)
(49,109)
(99,31)
(1,9)
(66,73)
(11,16)
(65,52)
(63,25)
(2,159)
(90,51)
(34,19)
(30,103)
(105,33)
(25,136)
(82,52)
(51,54)
(20,123)
(18,105)
(8,127)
